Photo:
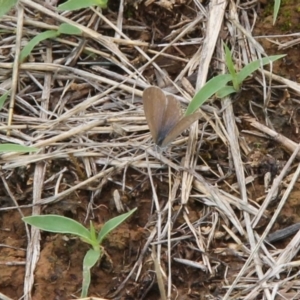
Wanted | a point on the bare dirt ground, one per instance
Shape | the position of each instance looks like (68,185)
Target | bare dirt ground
(78,98)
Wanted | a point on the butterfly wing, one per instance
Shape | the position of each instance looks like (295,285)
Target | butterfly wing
(172,115)
(181,125)
(154,102)
(163,115)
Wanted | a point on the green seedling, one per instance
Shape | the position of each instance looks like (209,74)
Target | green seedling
(16,148)
(79,4)
(3,98)
(230,66)
(276,10)
(48,34)
(218,85)
(210,88)
(237,78)
(6,6)
(60,224)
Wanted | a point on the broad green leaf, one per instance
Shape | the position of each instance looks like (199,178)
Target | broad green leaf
(66,28)
(3,98)
(209,89)
(59,224)
(230,66)
(6,6)
(255,65)
(90,259)
(16,148)
(112,224)
(276,10)
(225,91)
(79,4)
(35,41)
(101,3)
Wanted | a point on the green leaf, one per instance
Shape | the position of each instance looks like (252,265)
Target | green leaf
(6,6)
(66,28)
(3,98)
(90,259)
(209,89)
(16,148)
(225,91)
(101,3)
(231,69)
(276,10)
(59,224)
(93,236)
(112,224)
(79,4)
(255,65)
(35,41)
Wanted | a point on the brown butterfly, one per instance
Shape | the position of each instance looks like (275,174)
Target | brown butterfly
(164,116)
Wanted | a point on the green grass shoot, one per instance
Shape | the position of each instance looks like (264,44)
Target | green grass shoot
(64,225)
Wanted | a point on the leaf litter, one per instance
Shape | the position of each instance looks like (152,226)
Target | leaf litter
(206,204)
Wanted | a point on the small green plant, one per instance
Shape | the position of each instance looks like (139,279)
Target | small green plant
(60,224)
(276,10)
(210,88)
(237,78)
(3,99)
(62,29)
(6,6)
(79,4)
(218,85)
(16,148)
